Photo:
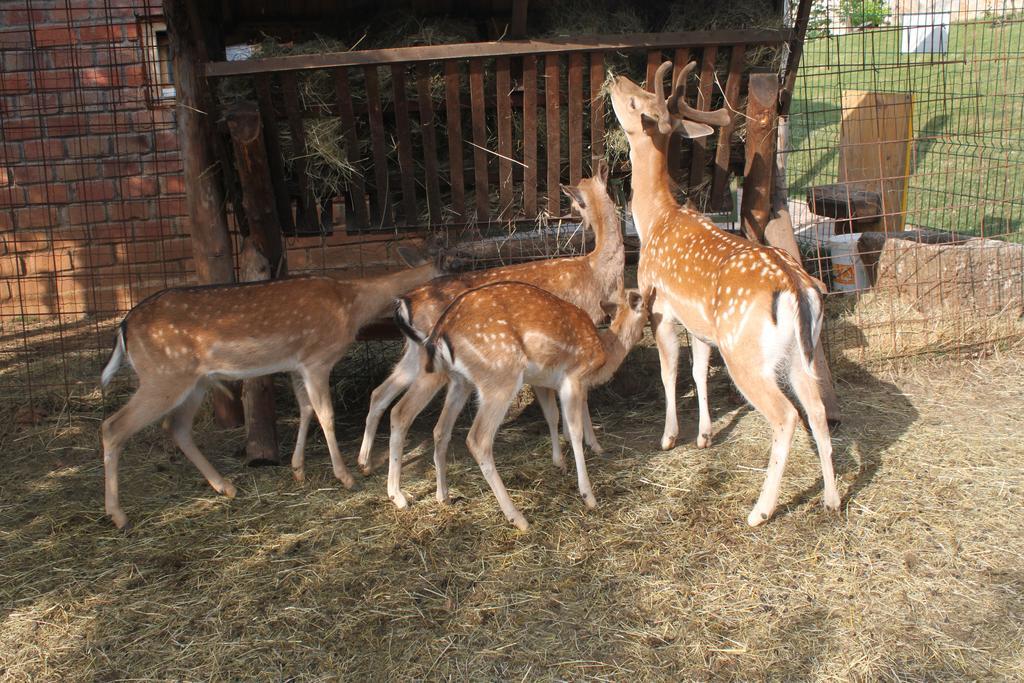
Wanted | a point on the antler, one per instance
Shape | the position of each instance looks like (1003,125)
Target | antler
(678,107)
(659,80)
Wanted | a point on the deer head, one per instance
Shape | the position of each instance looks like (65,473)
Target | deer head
(586,196)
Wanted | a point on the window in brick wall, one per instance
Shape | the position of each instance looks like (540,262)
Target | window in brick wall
(159,65)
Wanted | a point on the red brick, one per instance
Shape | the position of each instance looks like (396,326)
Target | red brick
(12,266)
(50,261)
(5,292)
(99,77)
(166,141)
(134,144)
(131,31)
(48,193)
(100,34)
(58,79)
(130,211)
(9,18)
(92,256)
(21,129)
(120,168)
(6,176)
(13,83)
(74,57)
(77,169)
(140,186)
(44,150)
(36,104)
(16,40)
(12,196)
(174,184)
(48,36)
(88,146)
(6,220)
(105,124)
(68,124)
(171,206)
(35,217)
(134,75)
(26,174)
(95,190)
(85,214)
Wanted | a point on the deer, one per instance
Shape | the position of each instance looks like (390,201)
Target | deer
(756,304)
(495,337)
(585,281)
(183,340)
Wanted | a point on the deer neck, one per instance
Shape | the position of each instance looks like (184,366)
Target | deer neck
(617,341)
(607,255)
(652,193)
(374,295)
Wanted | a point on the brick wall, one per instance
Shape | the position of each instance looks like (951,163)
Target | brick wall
(91,198)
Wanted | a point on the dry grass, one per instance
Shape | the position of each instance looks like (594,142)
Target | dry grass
(918,578)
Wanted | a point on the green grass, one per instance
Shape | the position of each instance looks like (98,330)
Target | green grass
(967,159)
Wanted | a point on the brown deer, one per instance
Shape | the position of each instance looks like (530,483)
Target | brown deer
(180,341)
(496,337)
(586,281)
(755,303)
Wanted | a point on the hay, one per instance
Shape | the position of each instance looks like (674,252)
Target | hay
(917,579)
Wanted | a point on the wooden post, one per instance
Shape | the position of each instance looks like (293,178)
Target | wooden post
(262,258)
(204,191)
(762,115)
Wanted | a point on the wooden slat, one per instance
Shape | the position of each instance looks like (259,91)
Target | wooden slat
(530,136)
(597,100)
(307,210)
(380,157)
(477,104)
(654,60)
(274,156)
(358,216)
(453,129)
(504,104)
(403,128)
(675,146)
(505,48)
(720,197)
(552,99)
(429,142)
(575,118)
(700,145)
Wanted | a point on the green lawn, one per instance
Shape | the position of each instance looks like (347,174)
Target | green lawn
(967,160)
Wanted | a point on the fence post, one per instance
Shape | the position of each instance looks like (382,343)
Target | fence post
(262,258)
(204,191)
(762,115)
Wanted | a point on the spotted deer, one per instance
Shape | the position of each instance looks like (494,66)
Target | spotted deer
(496,337)
(755,303)
(585,281)
(181,341)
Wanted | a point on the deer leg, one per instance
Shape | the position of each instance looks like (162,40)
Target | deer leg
(180,428)
(668,353)
(405,411)
(546,399)
(317,382)
(481,444)
(458,393)
(756,380)
(145,407)
(808,392)
(588,428)
(701,359)
(404,373)
(305,416)
(572,401)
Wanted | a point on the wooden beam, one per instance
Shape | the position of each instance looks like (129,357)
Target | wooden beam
(517,30)
(762,117)
(204,190)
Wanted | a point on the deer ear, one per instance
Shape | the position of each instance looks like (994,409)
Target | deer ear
(610,308)
(649,123)
(636,301)
(573,193)
(411,256)
(692,129)
(602,171)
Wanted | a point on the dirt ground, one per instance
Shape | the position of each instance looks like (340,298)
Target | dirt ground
(920,577)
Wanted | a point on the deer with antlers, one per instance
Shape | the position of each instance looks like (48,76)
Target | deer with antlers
(495,337)
(180,341)
(755,303)
(585,281)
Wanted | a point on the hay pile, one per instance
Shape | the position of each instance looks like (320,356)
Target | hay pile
(918,578)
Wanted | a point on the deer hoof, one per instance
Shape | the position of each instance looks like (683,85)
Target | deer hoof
(596,448)
(120,520)
(590,501)
(299,474)
(228,489)
(704,441)
(831,501)
(365,468)
(668,442)
(399,500)
(520,522)
(443,498)
(757,518)
(346,479)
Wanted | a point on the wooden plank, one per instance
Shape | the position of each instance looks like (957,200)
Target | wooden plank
(381,191)
(575,93)
(721,199)
(874,149)
(403,129)
(357,217)
(505,48)
(426,112)
(517,29)
(597,101)
(479,114)
(307,215)
(503,92)
(274,155)
(552,99)
(762,114)
(654,60)
(675,145)
(453,128)
(700,145)
(530,136)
